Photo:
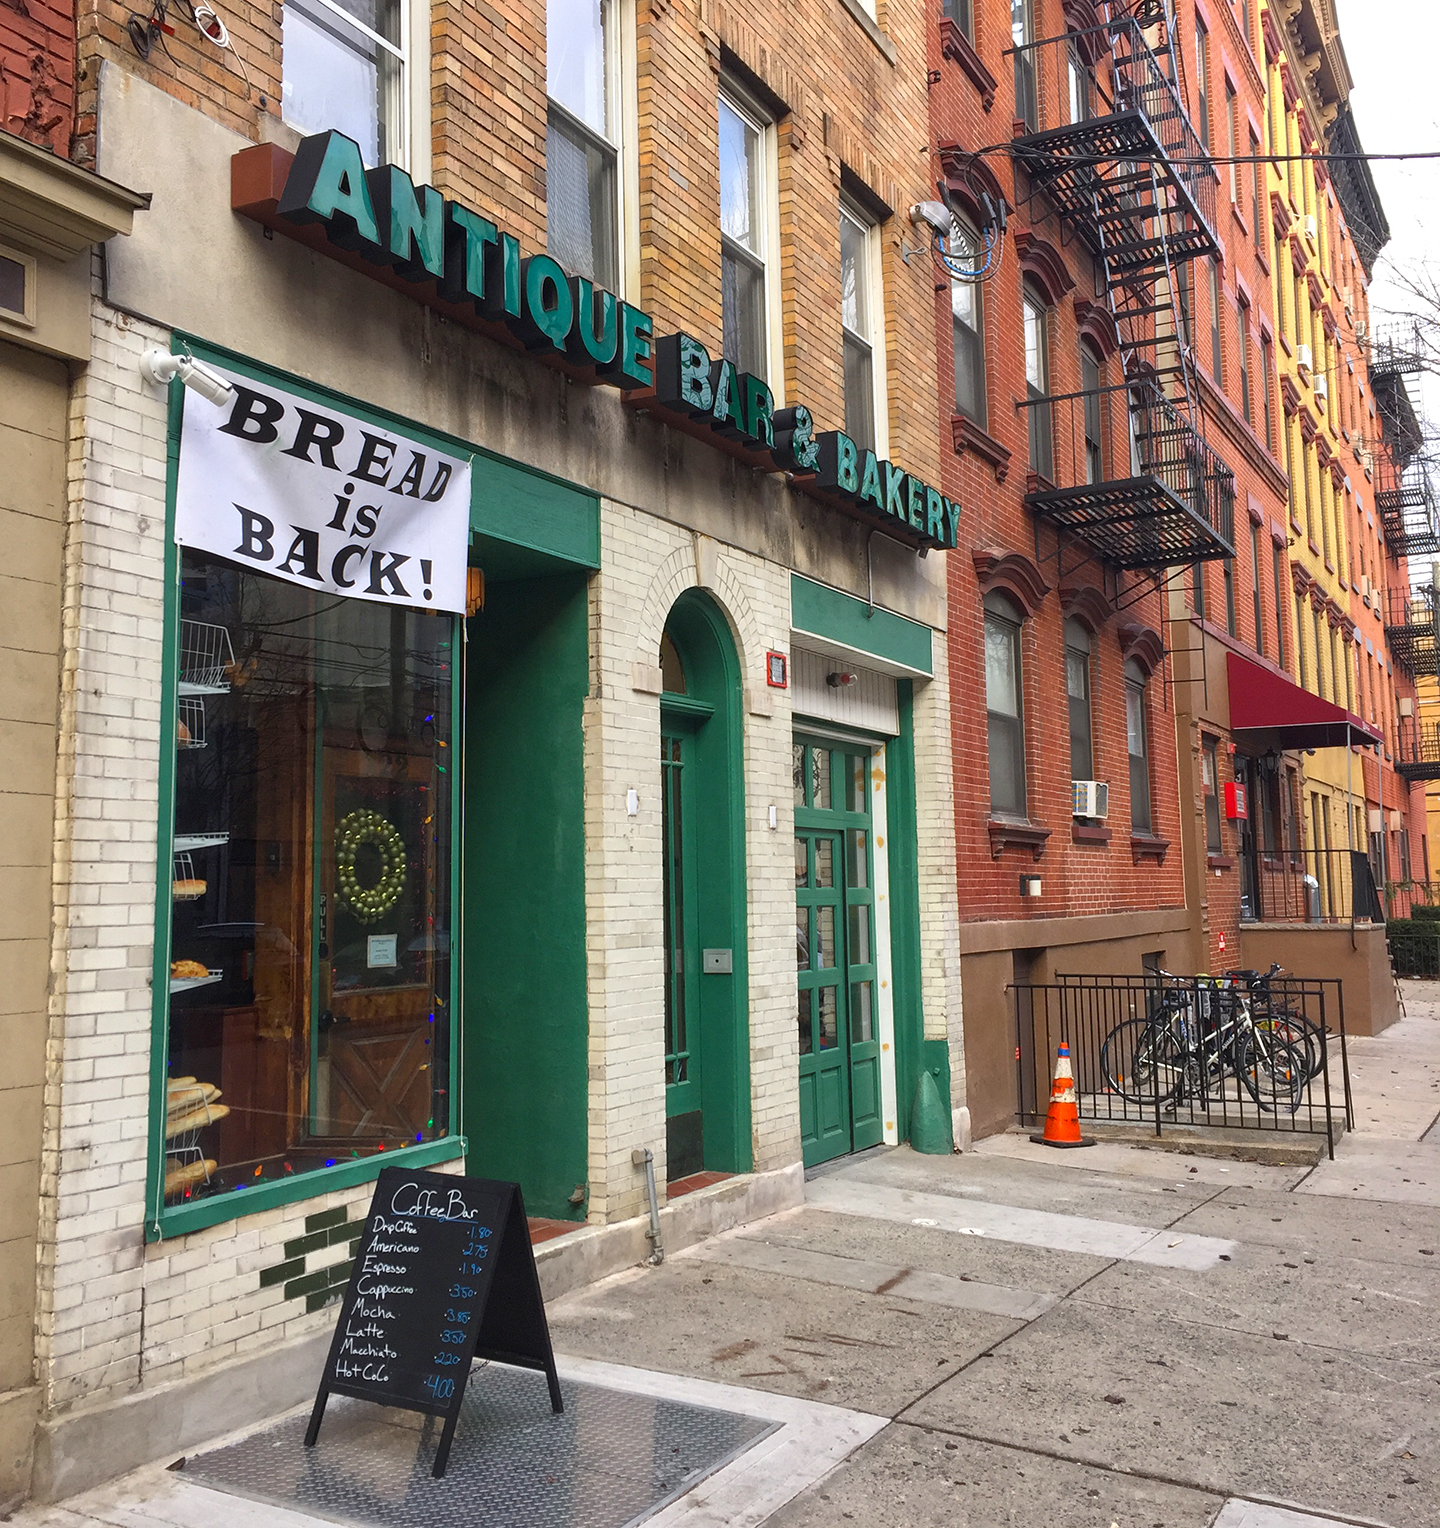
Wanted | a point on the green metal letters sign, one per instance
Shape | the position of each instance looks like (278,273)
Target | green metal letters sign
(440,247)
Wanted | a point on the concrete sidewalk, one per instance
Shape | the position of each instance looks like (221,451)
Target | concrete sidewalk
(1110,1338)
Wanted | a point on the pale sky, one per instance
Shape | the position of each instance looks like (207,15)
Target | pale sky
(1393,47)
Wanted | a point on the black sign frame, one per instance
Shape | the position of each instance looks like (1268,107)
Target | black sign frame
(474,1284)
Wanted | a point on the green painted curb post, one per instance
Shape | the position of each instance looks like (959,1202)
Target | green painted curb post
(930,1119)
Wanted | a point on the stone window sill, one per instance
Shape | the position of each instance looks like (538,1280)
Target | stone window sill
(1219,862)
(1089,833)
(1145,846)
(955,45)
(966,435)
(1014,834)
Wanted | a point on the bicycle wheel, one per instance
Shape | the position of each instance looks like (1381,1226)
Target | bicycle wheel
(1143,1059)
(1272,1070)
(1295,1029)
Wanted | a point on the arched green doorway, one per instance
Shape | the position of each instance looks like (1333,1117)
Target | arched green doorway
(707,1050)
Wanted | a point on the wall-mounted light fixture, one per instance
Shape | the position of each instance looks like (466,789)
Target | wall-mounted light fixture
(1029,885)
(842,678)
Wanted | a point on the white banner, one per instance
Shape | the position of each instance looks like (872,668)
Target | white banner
(303,491)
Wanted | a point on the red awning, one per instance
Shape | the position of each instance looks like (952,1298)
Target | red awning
(1267,711)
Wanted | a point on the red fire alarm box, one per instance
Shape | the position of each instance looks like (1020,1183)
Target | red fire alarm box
(777,671)
(1237,805)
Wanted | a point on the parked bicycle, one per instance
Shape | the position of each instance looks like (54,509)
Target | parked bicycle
(1280,1017)
(1196,1036)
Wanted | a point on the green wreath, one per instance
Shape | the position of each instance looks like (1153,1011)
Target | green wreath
(369,903)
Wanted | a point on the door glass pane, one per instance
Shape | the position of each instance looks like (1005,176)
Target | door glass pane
(799,758)
(824,862)
(829,1036)
(824,938)
(857,858)
(801,866)
(802,939)
(806,1043)
(820,778)
(676,1058)
(860,934)
(862,1015)
(856,767)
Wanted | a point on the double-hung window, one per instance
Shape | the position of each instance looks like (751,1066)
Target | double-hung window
(967,323)
(1242,315)
(1004,706)
(1077,692)
(1215,346)
(1255,610)
(582,172)
(1091,381)
(1277,559)
(1037,383)
(1202,82)
(961,12)
(1267,387)
(1138,747)
(1077,79)
(1022,36)
(343,65)
(862,326)
(1232,138)
(744,236)
(1210,788)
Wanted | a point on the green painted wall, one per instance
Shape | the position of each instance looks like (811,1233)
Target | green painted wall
(524,1102)
(826,612)
(905,911)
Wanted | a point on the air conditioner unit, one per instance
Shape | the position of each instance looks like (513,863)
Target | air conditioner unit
(1322,386)
(1347,297)
(1405,705)
(1365,588)
(1304,356)
(1090,798)
(1361,329)
(1377,820)
(1307,224)
(1396,821)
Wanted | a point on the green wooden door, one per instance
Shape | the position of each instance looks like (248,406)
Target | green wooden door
(683,1093)
(837,1008)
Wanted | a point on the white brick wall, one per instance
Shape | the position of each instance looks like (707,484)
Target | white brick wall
(116,1314)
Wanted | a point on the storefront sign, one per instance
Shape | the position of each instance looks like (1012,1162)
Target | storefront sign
(452,259)
(275,481)
(444,1274)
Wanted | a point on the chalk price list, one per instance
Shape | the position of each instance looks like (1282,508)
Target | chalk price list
(397,1335)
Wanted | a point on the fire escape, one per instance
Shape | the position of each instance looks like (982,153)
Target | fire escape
(1130,178)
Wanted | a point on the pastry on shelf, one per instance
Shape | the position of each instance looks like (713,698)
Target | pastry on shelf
(185,1175)
(189,891)
(195,1118)
(182,734)
(187,970)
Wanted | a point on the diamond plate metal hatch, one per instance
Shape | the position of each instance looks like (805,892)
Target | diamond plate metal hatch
(611,1459)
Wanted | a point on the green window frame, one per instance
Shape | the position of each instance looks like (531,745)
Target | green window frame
(161,1221)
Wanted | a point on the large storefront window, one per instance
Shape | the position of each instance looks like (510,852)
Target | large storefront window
(310,982)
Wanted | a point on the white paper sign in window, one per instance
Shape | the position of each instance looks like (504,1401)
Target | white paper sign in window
(281,484)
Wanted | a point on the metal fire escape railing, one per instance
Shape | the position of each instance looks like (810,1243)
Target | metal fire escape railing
(1419,750)
(1133,181)
(1410,629)
(1408,511)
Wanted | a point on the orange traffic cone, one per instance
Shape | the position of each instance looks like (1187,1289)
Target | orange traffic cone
(1062,1122)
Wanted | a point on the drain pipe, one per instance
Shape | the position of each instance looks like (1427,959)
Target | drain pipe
(642,1156)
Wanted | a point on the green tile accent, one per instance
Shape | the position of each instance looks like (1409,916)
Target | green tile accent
(355,1248)
(340,1272)
(346,1232)
(321,1299)
(308,1285)
(303,1244)
(326,1218)
(281,1271)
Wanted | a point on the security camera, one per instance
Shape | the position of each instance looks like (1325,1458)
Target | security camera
(159,366)
(936,214)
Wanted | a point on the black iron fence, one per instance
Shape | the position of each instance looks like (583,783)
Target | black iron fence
(1309,886)
(1243,1051)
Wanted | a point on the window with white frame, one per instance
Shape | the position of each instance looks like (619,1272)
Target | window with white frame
(967,318)
(582,157)
(1005,716)
(1137,746)
(862,324)
(1037,381)
(744,235)
(344,65)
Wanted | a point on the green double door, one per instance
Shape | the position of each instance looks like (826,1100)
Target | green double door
(835,954)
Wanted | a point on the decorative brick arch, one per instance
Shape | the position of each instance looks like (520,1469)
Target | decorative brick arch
(1043,264)
(1087,604)
(1141,643)
(677,574)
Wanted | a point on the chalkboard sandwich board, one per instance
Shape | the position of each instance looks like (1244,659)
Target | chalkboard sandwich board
(444,1274)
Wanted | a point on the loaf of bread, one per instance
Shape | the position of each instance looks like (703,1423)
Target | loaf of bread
(188,891)
(195,1118)
(182,734)
(185,1175)
(187,970)
(189,1095)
